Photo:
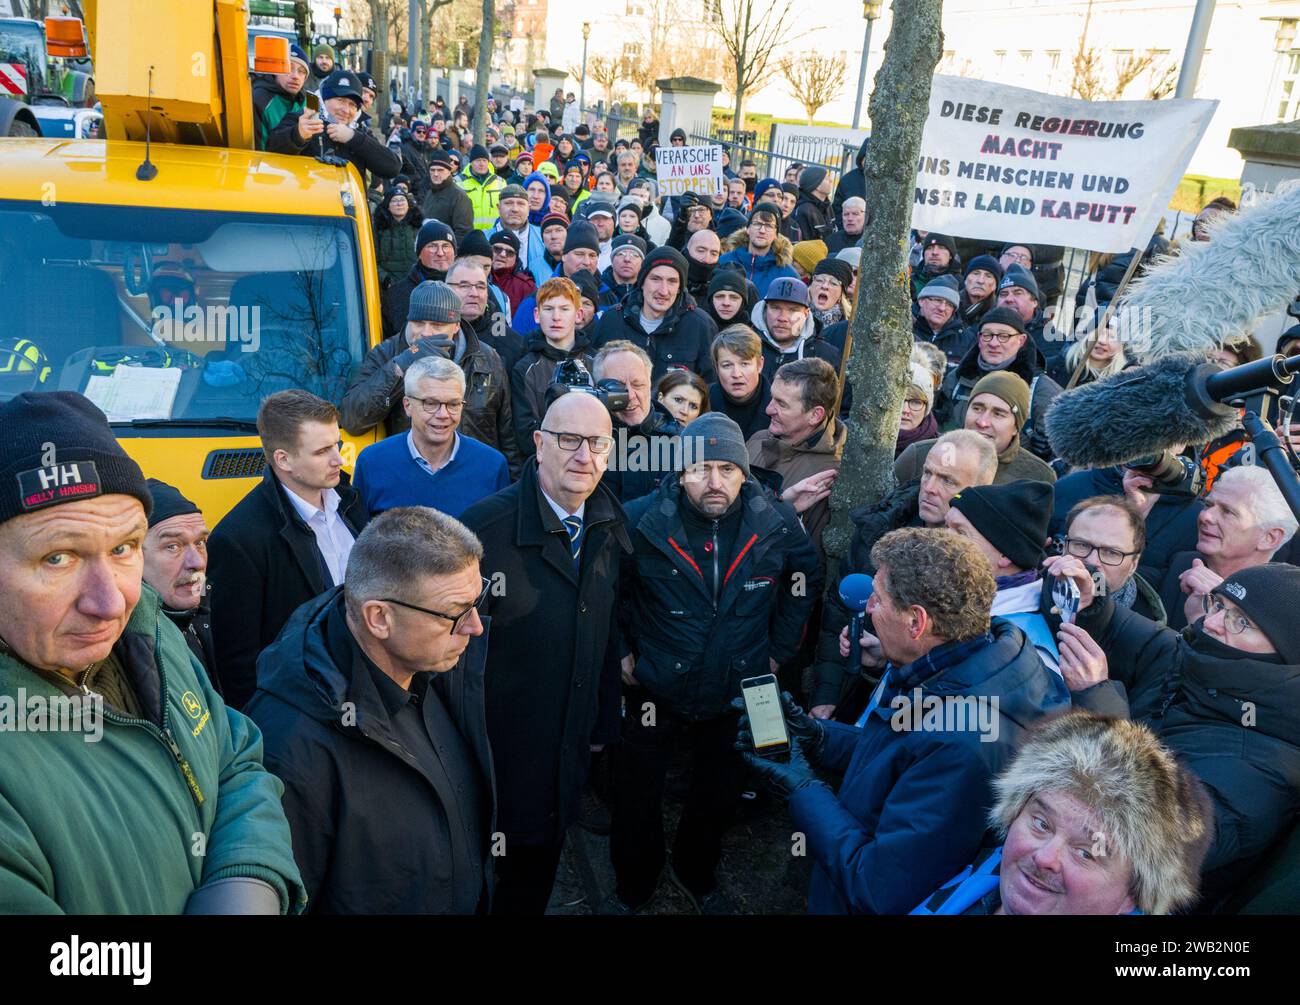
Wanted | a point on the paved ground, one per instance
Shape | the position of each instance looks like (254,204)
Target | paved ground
(758,871)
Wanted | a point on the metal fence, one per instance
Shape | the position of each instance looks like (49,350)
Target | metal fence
(620,120)
(773,158)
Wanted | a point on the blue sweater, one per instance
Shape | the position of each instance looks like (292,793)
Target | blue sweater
(387,476)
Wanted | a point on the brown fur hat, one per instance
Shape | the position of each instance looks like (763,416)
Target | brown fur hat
(1153,812)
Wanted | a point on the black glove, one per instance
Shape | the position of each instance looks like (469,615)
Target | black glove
(421,348)
(784,780)
(804,730)
(1039,444)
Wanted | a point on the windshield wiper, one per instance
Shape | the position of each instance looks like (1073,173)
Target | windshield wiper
(219,422)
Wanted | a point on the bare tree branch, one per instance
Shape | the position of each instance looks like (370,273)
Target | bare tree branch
(815,80)
(750,31)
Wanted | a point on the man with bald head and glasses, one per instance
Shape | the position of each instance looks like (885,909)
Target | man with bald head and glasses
(551,547)
(370,704)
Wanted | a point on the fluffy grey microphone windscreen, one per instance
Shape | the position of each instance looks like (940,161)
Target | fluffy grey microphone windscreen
(1214,292)
(1134,413)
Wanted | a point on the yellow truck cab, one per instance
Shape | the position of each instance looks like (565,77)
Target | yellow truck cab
(177,299)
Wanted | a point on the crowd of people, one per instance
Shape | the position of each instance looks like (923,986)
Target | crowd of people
(611,425)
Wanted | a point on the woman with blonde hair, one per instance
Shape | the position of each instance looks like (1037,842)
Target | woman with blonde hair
(1105,358)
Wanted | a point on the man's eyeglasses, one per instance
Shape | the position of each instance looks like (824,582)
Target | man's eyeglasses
(457,620)
(574,441)
(1234,621)
(432,405)
(1001,338)
(1017,256)
(476,287)
(1080,548)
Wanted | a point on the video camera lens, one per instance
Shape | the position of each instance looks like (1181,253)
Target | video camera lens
(1171,474)
(572,375)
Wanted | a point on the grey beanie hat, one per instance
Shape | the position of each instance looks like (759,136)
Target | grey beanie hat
(717,438)
(434,301)
(940,291)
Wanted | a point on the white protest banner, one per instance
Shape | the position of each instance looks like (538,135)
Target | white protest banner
(1008,164)
(689,169)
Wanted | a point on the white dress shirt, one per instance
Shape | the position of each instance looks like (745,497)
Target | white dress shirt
(333,538)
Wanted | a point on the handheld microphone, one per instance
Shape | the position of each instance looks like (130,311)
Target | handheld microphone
(855,590)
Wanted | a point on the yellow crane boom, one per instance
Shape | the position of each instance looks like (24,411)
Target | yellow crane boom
(180,67)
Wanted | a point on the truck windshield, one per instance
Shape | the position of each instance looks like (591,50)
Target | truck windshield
(21,42)
(177,315)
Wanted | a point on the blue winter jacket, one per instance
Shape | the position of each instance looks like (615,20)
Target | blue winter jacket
(912,808)
(759,269)
(536,258)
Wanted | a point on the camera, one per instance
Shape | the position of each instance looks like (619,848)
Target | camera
(573,375)
(1171,474)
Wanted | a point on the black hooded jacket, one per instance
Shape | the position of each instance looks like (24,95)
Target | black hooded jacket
(329,737)
(852,184)
(681,340)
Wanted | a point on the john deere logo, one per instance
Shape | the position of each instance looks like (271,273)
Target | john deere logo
(192,705)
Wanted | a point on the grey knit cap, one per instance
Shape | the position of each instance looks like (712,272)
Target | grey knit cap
(717,438)
(434,301)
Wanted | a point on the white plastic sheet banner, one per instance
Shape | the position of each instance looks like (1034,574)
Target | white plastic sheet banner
(1009,164)
(689,169)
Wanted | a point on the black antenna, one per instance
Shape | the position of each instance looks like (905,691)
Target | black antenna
(147,171)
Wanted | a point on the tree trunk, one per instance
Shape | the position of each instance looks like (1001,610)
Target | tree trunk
(483,70)
(880,337)
(426,43)
(379,58)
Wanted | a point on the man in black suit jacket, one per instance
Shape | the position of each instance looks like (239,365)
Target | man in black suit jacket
(551,547)
(286,541)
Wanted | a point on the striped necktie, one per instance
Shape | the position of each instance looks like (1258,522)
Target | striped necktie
(573,524)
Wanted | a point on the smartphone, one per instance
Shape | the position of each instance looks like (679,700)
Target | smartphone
(766,719)
(1066,597)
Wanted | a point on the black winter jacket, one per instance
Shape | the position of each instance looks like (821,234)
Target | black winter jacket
(363,151)
(814,218)
(852,184)
(694,647)
(395,303)
(263,564)
(530,378)
(451,205)
(552,665)
(953,338)
(681,340)
(642,454)
(328,736)
(1232,717)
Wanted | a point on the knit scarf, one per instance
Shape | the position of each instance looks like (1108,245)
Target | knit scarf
(928,429)
(1126,594)
(829,317)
